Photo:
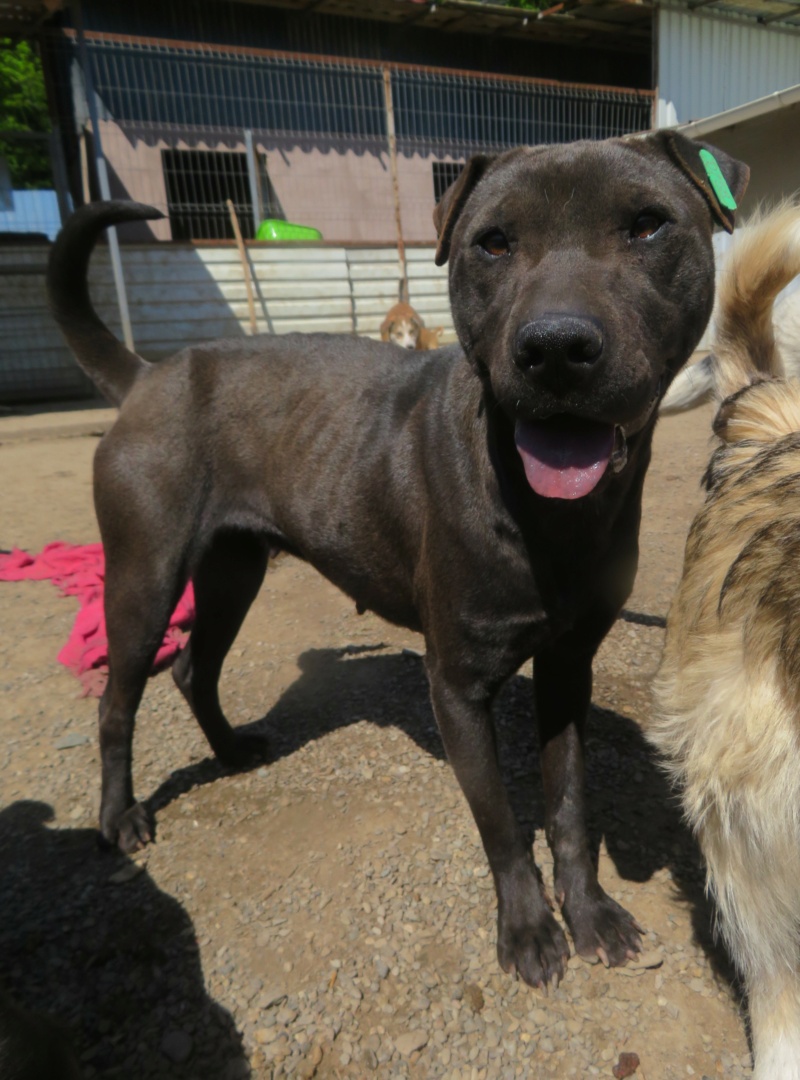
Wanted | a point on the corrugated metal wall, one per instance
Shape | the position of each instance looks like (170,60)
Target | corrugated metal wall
(707,64)
(186,294)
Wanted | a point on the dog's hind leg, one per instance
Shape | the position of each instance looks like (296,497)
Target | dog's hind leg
(140,594)
(774,1002)
(563,688)
(226,582)
(740,792)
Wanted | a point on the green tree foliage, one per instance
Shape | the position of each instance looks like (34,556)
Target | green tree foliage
(23,107)
(530,5)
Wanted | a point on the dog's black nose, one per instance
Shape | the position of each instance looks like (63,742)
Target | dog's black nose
(559,341)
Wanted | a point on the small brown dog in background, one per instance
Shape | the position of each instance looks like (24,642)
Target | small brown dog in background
(404,327)
(728,692)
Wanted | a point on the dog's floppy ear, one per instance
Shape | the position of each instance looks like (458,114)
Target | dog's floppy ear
(447,210)
(722,179)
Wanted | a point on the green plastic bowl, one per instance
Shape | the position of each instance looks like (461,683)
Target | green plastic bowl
(273,229)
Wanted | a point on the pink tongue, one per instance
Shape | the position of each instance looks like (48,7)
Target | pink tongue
(564,459)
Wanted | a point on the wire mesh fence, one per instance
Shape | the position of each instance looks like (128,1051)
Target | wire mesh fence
(175,118)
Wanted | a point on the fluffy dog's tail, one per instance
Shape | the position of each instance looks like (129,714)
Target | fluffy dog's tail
(108,363)
(762,262)
(764,259)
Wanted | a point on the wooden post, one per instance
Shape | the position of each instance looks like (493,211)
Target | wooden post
(237,232)
(401,247)
(84,155)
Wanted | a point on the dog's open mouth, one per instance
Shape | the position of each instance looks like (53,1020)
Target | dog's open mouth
(565,457)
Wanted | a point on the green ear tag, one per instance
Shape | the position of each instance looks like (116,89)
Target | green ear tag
(717,180)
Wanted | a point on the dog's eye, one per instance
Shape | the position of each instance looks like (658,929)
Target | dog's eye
(494,243)
(645,226)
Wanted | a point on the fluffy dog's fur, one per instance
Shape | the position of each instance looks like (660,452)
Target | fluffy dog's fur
(404,327)
(728,693)
(695,384)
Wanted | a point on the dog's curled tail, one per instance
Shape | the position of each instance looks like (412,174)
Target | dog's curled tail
(108,363)
(763,260)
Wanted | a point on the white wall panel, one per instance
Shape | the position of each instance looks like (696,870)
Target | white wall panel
(186,294)
(707,64)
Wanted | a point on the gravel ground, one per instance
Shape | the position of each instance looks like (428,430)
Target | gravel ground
(331,914)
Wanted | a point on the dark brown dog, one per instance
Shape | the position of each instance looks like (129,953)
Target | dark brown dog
(488,497)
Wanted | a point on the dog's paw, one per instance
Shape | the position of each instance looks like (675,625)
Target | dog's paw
(243,750)
(602,929)
(537,951)
(129,832)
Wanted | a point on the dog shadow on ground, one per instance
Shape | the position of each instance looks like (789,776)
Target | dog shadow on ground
(630,804)
(117,965)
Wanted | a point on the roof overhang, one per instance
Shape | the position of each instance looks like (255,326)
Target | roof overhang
(780,13)
(617,24)
(626,23)
(741,114)
(20,18)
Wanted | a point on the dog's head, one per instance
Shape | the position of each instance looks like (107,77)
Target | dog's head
(402,326)
(581,279)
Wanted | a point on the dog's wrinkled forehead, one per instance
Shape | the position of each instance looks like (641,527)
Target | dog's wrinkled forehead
(586,181)
(583,182)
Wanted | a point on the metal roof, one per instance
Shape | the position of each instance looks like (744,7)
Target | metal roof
(765,12)
(618,24)
(741,114)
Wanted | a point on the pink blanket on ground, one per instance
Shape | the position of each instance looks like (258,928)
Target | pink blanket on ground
(79,570)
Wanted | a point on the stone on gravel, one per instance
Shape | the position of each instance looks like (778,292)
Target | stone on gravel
(177,1046)
(648,960)
(128,872)
(72,740)
(411,1041)
(626,1066)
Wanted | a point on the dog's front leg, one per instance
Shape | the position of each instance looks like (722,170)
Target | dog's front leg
(563,690)
(529,940)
